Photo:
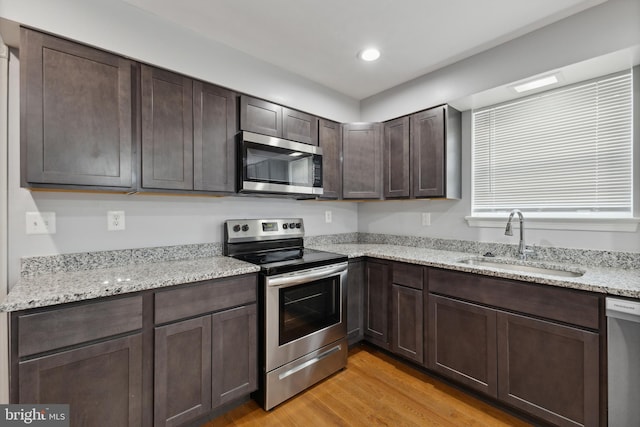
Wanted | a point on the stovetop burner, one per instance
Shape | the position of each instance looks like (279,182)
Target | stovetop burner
(276,245)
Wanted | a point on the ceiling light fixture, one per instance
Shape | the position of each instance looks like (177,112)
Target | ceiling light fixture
(370,54)
(535,84)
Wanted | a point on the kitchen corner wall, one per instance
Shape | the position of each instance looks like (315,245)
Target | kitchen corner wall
(610,27)
(154,220)
(447,219)
(151,220)
(171,220)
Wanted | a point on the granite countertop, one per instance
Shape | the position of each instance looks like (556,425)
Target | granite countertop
(63,287)
(612,281)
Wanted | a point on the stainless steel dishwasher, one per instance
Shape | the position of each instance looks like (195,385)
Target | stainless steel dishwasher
(623,342)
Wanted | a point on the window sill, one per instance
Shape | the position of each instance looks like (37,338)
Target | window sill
(629,225)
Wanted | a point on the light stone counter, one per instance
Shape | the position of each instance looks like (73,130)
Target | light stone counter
(612,281)
(67,278)
(63,287)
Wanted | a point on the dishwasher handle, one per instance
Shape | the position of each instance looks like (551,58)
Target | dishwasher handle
(623,309)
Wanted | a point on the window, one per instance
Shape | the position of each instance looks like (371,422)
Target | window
(562,153)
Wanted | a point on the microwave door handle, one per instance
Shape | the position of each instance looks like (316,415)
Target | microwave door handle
(298,278)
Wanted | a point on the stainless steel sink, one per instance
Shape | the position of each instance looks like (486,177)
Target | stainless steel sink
(522,267)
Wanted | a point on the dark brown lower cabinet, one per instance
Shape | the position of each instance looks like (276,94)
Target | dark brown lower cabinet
(549,370)
(376,304)
(355,291)
(203,363)
(462,343)
(234,357)
(182,371)
(101,382)
(407,322)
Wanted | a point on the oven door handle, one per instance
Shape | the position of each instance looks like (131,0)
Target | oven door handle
(305,276)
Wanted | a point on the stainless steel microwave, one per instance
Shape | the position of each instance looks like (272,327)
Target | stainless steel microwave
(278,166)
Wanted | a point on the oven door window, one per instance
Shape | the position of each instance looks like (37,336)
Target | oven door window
(279,166)
(308,308)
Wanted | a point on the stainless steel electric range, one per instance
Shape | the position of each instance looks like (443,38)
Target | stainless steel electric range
(302,305)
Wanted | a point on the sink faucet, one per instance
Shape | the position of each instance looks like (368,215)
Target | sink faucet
(522,248)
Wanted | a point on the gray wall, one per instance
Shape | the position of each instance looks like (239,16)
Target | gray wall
(600,30)
(122,28)
(611,27)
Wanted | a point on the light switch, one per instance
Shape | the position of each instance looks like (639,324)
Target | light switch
(426,219)
(41,222)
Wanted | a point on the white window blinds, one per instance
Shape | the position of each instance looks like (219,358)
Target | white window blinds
(566,151)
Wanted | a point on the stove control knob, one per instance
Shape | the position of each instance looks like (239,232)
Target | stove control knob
(236,228)
(292,225)
(285,226)
(245,227)
(298,225)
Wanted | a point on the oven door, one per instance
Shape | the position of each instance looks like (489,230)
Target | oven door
(304,311)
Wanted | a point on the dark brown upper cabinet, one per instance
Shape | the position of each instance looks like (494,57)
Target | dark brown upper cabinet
(76,115)
(167,130)
(260,116)
(361,160)
(299,126)
(436,153)
(396,176)
(421,156)
(267,118)
(214,128)
(330,138)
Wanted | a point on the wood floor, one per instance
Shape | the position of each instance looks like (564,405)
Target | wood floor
(374,390)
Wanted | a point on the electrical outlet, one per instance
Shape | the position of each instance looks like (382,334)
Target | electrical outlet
(115,220)
(426,219)
(41,222)
(328,216)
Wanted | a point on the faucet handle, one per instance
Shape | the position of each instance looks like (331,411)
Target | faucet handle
(528,250)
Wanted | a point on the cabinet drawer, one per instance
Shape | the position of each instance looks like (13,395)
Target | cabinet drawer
(53,329)
(564,305)
(203,298)
(408,275)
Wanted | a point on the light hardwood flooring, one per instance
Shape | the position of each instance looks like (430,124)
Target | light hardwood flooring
(374,390)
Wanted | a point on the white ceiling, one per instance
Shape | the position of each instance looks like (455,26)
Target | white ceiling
(319,39)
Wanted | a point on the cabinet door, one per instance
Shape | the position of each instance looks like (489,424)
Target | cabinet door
(377,303)
(355,290)
(299,126)
(182,371)
(462,343)
(214,129)
(102,383)
(549,370)
(330,140)
(260,116)
(235,350)
(428,153)
(76,114)
(167,130)
(396,158)
(361,161)
(407,333)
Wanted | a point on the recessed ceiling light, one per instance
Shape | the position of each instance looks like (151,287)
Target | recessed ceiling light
(369,54)
(535,84)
